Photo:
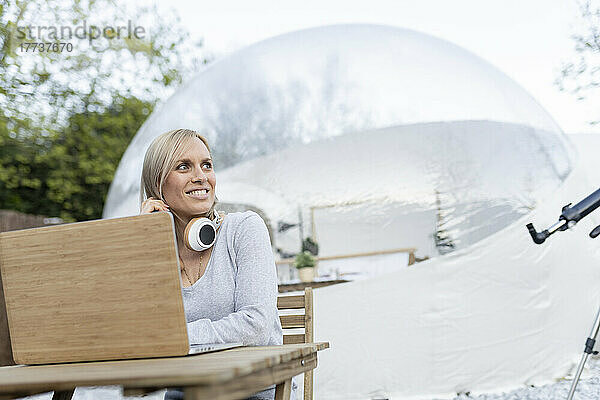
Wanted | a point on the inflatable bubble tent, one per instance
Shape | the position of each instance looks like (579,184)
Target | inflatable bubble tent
(371,137)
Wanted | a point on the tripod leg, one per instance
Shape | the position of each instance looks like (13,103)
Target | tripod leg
(577,375)
(589,349)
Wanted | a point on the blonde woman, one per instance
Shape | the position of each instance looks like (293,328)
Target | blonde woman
(230,289)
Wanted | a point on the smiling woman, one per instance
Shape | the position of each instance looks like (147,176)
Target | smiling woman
(229,289)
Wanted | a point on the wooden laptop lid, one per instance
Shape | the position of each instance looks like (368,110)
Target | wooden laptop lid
(95,290)
(6,357)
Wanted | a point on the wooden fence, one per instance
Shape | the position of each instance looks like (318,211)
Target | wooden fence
(14,220)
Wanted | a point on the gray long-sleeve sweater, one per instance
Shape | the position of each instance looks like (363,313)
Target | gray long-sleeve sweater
(236,298)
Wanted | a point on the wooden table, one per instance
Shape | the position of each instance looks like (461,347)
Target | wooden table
(229,374)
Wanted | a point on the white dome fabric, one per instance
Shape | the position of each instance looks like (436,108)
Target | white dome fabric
(500,314)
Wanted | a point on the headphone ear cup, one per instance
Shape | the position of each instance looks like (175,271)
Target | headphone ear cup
(200,234)
(186,234)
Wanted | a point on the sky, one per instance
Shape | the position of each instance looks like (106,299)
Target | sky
(528,40)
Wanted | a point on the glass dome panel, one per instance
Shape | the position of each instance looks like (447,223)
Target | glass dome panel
(364,114)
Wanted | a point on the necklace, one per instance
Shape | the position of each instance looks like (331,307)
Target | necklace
(184,269)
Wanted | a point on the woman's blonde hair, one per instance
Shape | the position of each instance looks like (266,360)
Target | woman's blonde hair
(160,159)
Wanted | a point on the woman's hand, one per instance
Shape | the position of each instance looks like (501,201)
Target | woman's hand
(151,204)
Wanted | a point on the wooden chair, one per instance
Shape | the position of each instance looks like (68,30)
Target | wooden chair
(294,321)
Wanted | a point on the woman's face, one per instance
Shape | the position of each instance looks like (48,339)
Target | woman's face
(189,189)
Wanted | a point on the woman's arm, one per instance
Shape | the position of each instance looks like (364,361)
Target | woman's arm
(255,293)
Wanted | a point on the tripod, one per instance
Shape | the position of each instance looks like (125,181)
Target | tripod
(589,349)
(569,217)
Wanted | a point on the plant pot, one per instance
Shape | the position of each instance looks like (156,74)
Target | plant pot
(306,274)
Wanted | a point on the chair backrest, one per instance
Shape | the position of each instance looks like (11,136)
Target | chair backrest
(295,321)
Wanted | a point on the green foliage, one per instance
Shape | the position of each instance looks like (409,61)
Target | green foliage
(68,174)
(83,158)
(67,117)
(304,260)
(46,87)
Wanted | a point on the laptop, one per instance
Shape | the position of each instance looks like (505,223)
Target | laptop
(96,290)
(209,348)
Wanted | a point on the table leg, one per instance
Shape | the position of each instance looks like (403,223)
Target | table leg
(137,392)
(63,395)
(283,390)
(308,385)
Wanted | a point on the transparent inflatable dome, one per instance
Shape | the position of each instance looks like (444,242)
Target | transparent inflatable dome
(345,126)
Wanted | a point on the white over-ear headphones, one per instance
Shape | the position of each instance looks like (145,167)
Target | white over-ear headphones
(201,233)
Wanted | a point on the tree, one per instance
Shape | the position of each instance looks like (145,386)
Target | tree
(70,178)
(47,86)
(84,158)
(582,77)
(66,117)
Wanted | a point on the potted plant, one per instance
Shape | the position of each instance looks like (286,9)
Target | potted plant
(305,263)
